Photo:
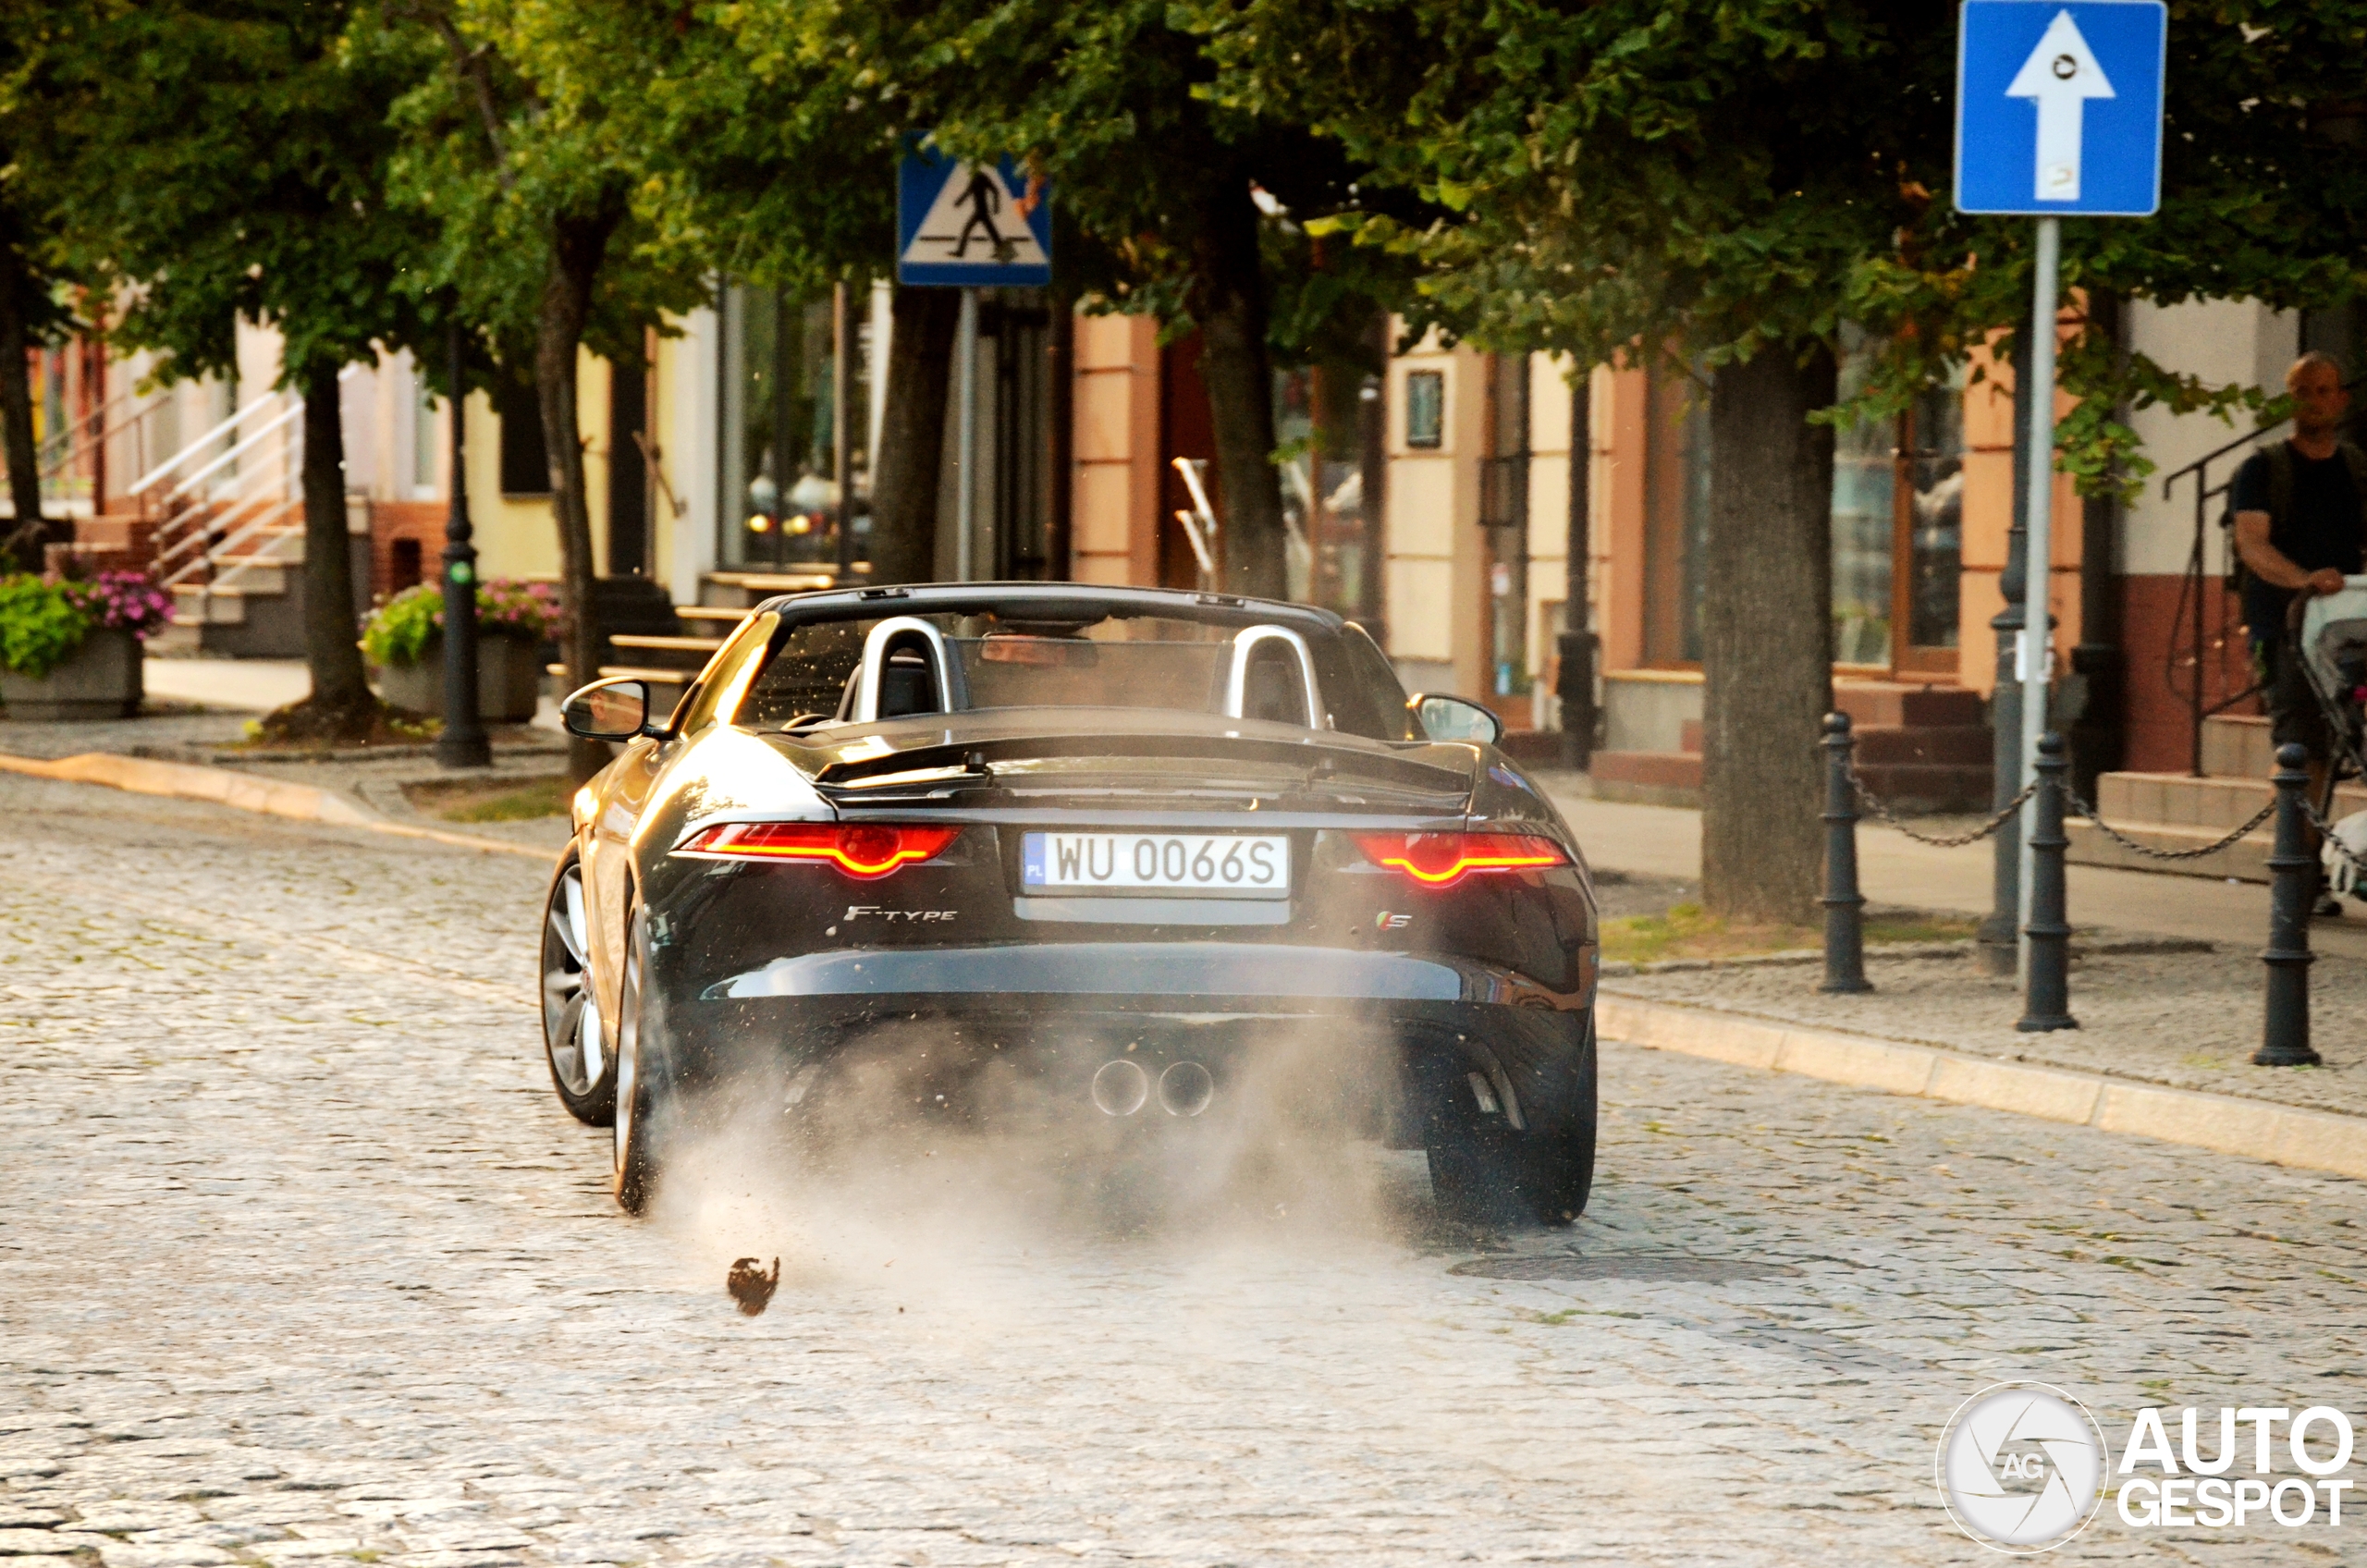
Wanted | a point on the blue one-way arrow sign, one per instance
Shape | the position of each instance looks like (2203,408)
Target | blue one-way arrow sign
(2059,107)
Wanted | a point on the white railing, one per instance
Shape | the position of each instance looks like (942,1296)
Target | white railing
(215,507)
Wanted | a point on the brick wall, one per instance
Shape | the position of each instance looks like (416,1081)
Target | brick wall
(397,529)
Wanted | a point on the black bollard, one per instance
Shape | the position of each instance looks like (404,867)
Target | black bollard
(1845,934)
(2292,887)
(2046,988)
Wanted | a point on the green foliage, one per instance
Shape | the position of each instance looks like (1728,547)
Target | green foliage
(400,632)
(219,159)
(41,624)
(1714,176)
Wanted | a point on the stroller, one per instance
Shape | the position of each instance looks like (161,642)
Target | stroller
(2333,637)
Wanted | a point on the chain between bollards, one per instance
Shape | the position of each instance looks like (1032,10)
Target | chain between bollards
(2293,887)
(2046,983)
(1845,932)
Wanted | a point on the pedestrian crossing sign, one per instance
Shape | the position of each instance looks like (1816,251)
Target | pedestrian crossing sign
(970,225)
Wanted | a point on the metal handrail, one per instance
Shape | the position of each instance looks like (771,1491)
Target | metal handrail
(294,410)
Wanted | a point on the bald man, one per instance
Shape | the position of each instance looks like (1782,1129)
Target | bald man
(2300,528)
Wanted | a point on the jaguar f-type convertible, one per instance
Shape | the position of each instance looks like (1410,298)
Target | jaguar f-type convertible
(1118,844)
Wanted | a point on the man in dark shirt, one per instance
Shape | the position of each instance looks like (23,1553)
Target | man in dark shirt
(2300,528)
(2299,533)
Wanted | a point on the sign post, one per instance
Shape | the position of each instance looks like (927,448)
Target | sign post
(2058,113)
(969,226)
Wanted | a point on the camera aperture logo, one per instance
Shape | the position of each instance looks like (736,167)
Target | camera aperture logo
(2022,1467)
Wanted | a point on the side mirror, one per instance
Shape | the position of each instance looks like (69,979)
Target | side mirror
(1443,718)
(616,709)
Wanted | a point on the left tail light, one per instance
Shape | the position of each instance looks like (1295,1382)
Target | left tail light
(866,851)
(1440,860)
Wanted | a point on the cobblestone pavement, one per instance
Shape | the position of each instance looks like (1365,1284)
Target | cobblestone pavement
(300,1261)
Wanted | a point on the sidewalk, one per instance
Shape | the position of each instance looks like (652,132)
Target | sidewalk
(1894,869)
(2185,1019)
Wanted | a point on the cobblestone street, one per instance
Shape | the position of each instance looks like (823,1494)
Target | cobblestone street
(301,1261)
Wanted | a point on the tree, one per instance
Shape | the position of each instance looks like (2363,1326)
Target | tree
(517,155)
(32,308)
(1725,181)
(226,159)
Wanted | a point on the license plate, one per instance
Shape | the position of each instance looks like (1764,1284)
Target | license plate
(1236,865)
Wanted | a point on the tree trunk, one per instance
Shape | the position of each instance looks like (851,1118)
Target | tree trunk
(1766,634)
(578,245)
(28,532)
(340,687)
(1228,301)
(912,436)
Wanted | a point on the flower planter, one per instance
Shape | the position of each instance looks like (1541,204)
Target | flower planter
(102,679)
(509,681)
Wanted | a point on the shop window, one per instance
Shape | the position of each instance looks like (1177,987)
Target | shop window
(1425,408)
(777,494)
(1324,418)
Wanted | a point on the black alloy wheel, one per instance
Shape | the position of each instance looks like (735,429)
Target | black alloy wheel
(583,1071)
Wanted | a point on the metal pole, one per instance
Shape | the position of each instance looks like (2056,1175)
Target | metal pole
(2047,975)
(2293,884)
(2000,943)
(841,437)
(2037,628)
(965,487)
(463,742)
(1845,934)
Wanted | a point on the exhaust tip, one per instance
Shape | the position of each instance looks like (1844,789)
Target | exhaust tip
(1185,1088)
(1121,1087)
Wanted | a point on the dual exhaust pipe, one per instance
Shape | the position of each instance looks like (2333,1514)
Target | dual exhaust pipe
(1122,1087)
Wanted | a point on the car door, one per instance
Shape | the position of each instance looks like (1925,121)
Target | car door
(607,852)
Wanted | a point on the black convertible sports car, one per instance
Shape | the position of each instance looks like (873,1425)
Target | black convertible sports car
(1112,844)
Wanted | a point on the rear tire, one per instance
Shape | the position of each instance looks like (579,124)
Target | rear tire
(583,1071)
(639,1067)
(1485,1173)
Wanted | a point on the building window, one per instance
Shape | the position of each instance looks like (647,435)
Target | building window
(1425,408)
(422,433)
(525,469)
(1676,513)
(1897,526)
(777,495)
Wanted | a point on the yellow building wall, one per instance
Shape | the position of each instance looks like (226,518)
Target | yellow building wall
(1115,495)
(516,536)
(1435,577)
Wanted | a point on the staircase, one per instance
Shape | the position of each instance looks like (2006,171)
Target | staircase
(223,519)
(1921,748)
(2176,810)
(649,639)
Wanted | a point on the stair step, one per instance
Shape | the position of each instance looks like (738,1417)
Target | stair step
(1968,745)
(1895,705)
(2176,800)
(1653,770)
(725,617)
(2237,746)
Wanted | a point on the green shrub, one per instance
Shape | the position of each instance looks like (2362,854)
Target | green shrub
(400,632)
(41,625)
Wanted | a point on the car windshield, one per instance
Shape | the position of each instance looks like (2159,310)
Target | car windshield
(1114,661)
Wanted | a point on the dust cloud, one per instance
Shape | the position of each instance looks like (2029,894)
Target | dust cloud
(941,1168)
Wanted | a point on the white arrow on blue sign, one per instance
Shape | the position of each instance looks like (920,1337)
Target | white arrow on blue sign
(2059,107)
(970,225)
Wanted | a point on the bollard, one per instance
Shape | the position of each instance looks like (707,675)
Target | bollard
(2046,994)
(2292,887)
(1845,934)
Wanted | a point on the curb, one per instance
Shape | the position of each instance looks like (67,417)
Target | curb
(2309,1140)
(222,786)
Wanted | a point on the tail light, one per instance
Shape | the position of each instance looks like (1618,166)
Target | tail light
(866,851)
(1440,860)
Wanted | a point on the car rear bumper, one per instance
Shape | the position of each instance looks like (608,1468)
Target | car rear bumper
(1362,1029)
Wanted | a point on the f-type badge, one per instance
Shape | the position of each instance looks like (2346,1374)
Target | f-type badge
(873,912)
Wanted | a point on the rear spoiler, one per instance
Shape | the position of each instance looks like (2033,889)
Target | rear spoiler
(976,759)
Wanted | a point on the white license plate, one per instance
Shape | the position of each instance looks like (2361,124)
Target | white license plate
(1236,865)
